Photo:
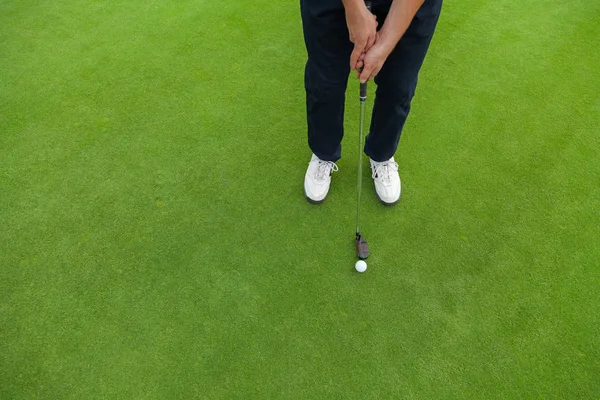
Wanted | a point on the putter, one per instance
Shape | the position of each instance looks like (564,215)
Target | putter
(362,248)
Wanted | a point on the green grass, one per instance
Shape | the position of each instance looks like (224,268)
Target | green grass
(155,242)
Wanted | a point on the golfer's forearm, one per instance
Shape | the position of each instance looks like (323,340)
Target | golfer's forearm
(352,6)
(397,22)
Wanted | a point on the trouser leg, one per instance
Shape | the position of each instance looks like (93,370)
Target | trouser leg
(397,80)
(326,74)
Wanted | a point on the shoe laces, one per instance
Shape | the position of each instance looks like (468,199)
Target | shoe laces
(325,168)
(382,171)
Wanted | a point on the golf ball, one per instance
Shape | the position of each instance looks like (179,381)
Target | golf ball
(361,266)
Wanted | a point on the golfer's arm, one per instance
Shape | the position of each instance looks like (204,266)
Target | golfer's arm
(352,6)
(397,22)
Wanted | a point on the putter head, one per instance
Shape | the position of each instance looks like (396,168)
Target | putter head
(362,248)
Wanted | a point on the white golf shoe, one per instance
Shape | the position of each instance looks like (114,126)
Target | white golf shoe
(387,181)
(318,179)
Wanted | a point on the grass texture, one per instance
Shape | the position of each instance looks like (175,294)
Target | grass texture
(155,242)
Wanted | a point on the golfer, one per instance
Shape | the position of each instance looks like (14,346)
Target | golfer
(387,44)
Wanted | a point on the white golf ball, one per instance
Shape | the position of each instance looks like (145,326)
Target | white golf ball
(361,266)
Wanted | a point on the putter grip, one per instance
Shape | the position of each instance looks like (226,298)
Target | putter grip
(363,86)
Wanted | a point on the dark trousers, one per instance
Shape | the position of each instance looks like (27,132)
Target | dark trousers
(328,66)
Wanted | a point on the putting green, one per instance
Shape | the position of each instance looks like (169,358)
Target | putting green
(155,241)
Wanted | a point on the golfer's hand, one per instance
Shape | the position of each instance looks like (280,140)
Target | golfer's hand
(372,62)
(362,26)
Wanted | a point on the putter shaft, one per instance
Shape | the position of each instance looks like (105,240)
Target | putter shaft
(360,151)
